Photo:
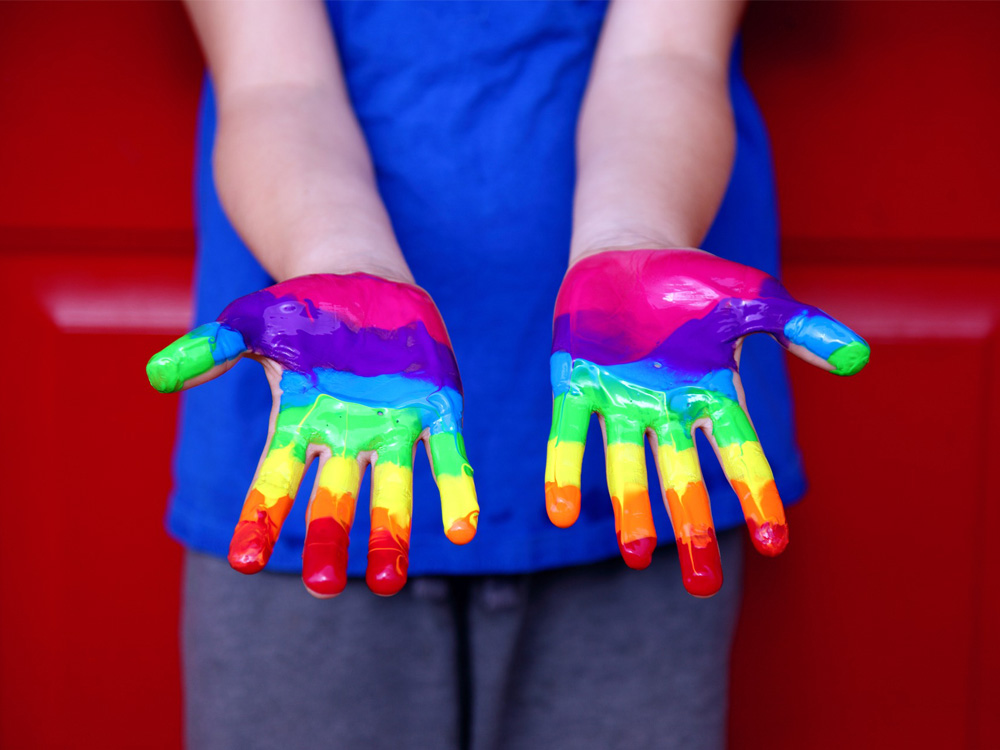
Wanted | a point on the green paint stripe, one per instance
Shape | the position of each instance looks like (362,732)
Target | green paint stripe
(193,354)
(629,410)
(850,358)
(623,430)
(448,455)
(349,429)
(186,358)
(570,418)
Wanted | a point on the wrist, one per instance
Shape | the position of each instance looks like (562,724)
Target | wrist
(598,234)
(627,243)
(343,255)
(344,264)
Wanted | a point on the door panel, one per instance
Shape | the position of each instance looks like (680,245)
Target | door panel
(878,608)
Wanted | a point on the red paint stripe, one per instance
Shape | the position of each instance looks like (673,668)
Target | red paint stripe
(701,565)
(387,562)
(324,557)
(252,543)
(768,538)
(638,553)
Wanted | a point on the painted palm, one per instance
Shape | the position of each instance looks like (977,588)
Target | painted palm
(361,368)
(650,341)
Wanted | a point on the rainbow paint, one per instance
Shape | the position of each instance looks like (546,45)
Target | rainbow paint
(649,340)
(361,369)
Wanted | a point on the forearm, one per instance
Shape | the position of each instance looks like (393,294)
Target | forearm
(290,162)
(293,173)
(656,137)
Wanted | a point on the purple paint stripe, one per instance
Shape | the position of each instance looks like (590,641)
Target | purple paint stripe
(698,345)
(301,337)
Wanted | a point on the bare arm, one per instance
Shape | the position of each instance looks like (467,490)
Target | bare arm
(656,137)
(291,165)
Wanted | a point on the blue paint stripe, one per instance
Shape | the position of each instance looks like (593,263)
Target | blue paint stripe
(819,333)
(440,407)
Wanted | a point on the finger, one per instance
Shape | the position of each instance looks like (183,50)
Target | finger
(804,330)
(328,525)
(453,474)
(686,499)
(271,496)
(564,458)
(625,457)
(735,443)
(842,350)
(194,358)
(391,511)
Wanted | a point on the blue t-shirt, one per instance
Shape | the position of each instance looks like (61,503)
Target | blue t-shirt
(470,110)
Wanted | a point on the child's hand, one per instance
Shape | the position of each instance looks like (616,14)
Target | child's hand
(360,368)
(650,340)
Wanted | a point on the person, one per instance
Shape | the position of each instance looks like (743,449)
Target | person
(351,150)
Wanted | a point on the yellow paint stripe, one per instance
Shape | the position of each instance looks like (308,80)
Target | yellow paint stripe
(563,459)
(392,489)
(340,475)
(458,499)
(629,488)
(678,468)
(745,462)
(279,475)
(626,465)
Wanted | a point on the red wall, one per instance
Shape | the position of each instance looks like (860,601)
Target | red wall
(872,630)
(876,628)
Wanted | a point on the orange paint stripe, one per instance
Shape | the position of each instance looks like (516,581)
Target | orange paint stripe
(562,502)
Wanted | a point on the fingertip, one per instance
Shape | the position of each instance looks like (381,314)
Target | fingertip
(462,530)
(163,373)
(320,592)
(850,358)
(388,560)
(701,565)
(703,585)
(386,574)
(324,558)
(637,553)
(251,546)
(769,537)
(562,503)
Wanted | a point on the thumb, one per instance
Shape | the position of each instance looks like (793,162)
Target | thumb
(827,338)
(806,331)
(198,356)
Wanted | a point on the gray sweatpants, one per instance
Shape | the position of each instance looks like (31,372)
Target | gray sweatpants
(597,656)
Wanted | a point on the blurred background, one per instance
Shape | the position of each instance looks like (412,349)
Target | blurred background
(877,628)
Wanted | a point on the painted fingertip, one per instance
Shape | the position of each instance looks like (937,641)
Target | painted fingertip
(701,565)
(850,359)
(388,562)
(769,538)
(562,503)
(638,553)
(251,546)
(386,574)
(164,374)
(324,558)
(462,530)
